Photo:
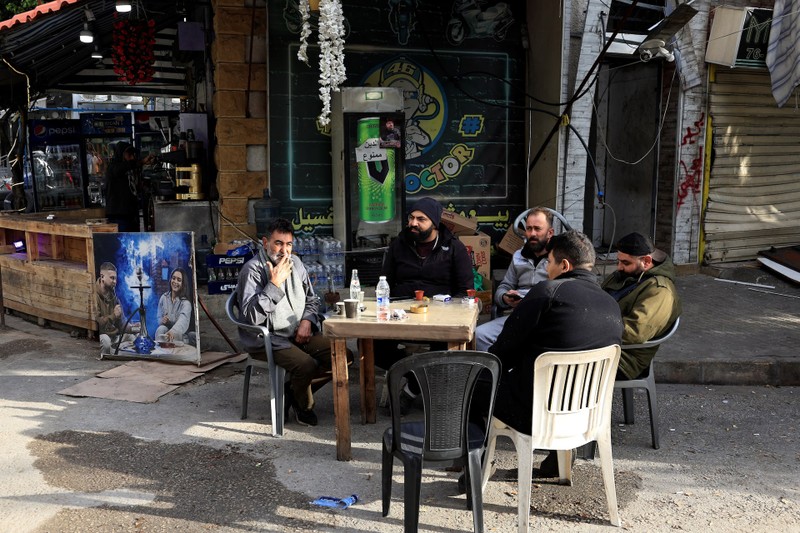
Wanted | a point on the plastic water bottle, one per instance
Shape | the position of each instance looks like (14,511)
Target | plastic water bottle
(339,252)
(382,296)
(325,251)
(322,278)
(338,280)
(355,285)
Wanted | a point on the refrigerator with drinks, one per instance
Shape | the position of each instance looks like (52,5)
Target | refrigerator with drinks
(100,134)
(368,174)
(55,178)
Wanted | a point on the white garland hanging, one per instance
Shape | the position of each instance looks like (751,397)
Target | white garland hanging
(305,32)
(331,50)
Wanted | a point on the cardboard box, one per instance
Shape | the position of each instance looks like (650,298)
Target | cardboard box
(511,242)
(486,301)
(479,248)
(459,225)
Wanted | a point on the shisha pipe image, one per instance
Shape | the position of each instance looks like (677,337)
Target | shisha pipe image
(143,343)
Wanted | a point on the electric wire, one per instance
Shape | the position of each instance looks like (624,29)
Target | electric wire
(602,139)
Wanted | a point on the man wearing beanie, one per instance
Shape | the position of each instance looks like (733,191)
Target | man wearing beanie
(644,288)
(425,256)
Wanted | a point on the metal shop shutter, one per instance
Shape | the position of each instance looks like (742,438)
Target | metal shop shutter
(754,184)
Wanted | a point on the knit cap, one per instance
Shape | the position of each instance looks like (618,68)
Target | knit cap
(431,208)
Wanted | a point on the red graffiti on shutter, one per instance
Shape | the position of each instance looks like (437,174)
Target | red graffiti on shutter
(692,173)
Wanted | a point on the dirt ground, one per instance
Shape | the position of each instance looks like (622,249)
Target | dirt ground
(729,461)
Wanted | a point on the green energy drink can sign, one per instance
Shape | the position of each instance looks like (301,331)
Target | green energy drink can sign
(376,179)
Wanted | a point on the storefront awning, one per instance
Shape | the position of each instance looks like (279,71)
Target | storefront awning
(41,49)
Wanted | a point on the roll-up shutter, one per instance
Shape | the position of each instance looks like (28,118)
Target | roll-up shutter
(754,185)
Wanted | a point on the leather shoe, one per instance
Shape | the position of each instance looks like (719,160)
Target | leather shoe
(462,479)
(306,417)
(549,467)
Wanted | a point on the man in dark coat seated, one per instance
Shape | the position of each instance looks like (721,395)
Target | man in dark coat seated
(567,312)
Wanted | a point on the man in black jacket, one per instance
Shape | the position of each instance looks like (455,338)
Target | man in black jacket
(425,256)
(122,187)
(567,312)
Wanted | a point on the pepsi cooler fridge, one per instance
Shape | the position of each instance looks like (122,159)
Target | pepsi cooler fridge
(368,174)
(56,179)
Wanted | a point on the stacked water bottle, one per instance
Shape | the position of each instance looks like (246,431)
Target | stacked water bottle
(323,257)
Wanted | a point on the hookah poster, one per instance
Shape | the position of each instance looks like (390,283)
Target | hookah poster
(146,296)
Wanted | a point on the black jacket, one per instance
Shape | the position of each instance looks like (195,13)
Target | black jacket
(121,185)
(568,313)
(447,270)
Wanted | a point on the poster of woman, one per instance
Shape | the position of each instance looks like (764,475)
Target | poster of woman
(146,295)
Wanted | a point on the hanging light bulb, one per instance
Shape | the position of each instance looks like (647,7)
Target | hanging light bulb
(124,6)
(86,35)
(96,54)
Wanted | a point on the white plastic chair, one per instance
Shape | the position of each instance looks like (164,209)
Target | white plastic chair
(277,374)
(571,407)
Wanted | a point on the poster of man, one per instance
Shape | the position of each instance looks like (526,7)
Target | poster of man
(390,134)
(146,295)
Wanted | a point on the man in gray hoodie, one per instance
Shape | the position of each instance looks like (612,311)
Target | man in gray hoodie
(276,291)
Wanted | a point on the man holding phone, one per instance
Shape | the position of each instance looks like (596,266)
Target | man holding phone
(528,267)
(276,291)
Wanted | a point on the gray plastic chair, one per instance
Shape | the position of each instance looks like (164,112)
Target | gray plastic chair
(277,374)
(447,380)
(647,382)
(497,312)
(522,216)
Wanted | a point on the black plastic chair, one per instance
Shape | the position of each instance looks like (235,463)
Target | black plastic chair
(445,436)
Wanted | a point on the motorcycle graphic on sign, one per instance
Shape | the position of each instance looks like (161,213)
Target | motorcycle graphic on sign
(470,20)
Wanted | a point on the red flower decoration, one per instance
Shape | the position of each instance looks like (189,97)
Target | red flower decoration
(132,50)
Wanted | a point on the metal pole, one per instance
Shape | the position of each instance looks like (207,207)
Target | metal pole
(2,305)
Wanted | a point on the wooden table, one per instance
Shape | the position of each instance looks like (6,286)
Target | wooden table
(451,322)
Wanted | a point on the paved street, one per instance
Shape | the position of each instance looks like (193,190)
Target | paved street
(729,460)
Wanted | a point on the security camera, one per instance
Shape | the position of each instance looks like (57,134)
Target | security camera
(666,54)
(654,48)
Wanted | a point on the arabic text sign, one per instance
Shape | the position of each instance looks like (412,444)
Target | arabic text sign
(370,151)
